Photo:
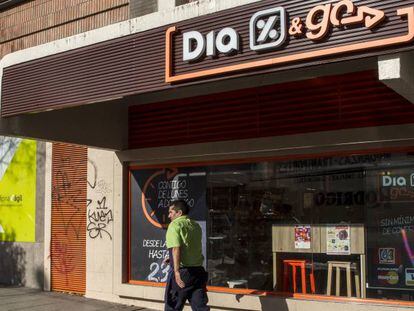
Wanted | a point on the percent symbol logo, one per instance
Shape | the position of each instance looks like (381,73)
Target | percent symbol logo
(268,29)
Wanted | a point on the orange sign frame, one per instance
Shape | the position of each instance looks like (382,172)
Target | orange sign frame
(171,78)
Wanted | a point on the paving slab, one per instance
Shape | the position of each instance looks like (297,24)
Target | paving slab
(21,299)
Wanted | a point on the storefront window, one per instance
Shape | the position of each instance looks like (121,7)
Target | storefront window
(142,7)
(181,2)
(340,226)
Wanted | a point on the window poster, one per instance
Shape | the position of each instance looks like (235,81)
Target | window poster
(390,246)
(390,231)
(303,237)
(151,191)
(338,240)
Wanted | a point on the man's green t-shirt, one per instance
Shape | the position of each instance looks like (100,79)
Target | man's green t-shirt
(185,233)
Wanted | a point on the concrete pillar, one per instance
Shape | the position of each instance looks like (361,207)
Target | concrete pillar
(47,217)
(100,219)
(397,72)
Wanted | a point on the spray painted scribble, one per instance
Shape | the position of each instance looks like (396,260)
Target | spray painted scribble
(100,215)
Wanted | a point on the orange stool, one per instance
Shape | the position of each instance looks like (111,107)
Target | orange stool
(297,264)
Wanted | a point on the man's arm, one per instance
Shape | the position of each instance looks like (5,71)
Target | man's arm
(176,259)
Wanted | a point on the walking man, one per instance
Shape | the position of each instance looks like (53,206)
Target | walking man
(187,279)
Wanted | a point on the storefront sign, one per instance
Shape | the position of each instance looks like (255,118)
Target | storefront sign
(225,42)
(152,190)
(277,29)
(338,241)
(267,30)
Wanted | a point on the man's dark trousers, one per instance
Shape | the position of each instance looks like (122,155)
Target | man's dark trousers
(195,280)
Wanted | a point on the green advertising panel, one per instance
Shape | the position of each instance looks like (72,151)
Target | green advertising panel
(17,189)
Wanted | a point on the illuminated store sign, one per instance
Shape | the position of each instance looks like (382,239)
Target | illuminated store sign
(274,31)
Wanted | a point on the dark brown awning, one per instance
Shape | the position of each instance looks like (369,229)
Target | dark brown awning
(136,63)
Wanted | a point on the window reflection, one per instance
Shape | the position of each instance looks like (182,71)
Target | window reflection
(323,226)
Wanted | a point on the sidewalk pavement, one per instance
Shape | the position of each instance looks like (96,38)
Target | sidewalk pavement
(21,298)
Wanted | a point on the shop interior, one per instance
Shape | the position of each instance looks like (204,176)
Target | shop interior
(323,226)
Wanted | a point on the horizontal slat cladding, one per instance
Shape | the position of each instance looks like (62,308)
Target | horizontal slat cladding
(321,104)
(68,249)
(135,64)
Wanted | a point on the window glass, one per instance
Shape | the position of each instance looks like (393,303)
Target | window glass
(143,7)
(390,230)
(181,2)
(340,226)
(6,4)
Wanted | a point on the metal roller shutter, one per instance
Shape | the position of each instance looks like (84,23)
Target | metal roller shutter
(322,104)
(68,245)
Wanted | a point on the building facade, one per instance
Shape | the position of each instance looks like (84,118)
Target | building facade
(287,126)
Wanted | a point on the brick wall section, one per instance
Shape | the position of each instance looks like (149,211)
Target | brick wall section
(37,22)
(143,7)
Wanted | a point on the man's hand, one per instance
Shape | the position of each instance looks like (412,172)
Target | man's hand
(176,260)
(178,280)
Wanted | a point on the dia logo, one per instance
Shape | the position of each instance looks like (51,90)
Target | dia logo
(195,45)
(267,30)
(397,181)
(391,181)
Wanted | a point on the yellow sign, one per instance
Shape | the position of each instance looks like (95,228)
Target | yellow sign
(17,190)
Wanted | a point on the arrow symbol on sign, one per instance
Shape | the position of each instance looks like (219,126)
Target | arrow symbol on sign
(371,17)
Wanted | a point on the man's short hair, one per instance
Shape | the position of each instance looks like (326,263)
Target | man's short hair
(180,205)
